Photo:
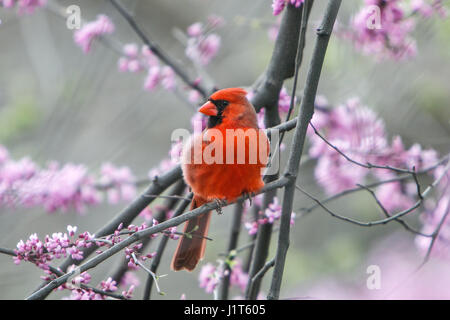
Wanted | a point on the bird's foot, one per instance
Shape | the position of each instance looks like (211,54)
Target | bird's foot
(249,196)
(220,203)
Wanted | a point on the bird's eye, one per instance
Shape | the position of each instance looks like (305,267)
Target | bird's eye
(220,104)
(224,103)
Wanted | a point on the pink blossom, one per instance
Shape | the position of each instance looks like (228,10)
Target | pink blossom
(194,96)
(149,57)
(215,21)
(131,50)
(120,181)
(130,279)
(238,277)
(260,117)
(109,285)
(171,233)
(208,277)
(152,79)
(24,6)
(284,101)
(84,37)
(387,35)
(168,78)
(81,294)
(252,227)
(128,294)
(122,64)
(203,49)
(271,214)
(147,213)
(195,29)
(54,187)
(432,218)
(133,65)
(393,197)
(75,253)
(278,5)
(426,9)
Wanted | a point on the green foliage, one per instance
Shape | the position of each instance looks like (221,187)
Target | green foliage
(21,115)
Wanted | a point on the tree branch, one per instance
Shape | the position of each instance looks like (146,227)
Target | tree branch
(161,247)
(392,217)
(59,273)
(163,56)
(127,215)
(232,244)
(160,215)
(305,115)
(137,236)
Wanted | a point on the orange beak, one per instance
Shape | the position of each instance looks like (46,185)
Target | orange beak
(208,109)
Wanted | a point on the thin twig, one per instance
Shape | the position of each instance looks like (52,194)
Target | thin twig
(258,277)
(152,274)
(160,214)
(435,235)
(386,213)
(367,165)
(163,56)
(395,216)
(161,247)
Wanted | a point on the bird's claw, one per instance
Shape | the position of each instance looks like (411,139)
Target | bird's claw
(220,203)
(249,196)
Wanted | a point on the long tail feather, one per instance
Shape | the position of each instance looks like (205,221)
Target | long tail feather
(191,248)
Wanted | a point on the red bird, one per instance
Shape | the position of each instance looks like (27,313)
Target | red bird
(237,174)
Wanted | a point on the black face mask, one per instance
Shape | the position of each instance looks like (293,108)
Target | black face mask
(220,105)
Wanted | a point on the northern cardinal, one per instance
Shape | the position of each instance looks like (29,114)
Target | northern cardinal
(228,109)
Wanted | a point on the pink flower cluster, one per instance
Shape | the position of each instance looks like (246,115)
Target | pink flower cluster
(358,132)
(383,28)
(61,245)
(56,187)
(23,6)
(203,45)
(92,30)
(58,245)
(89,294)
(270,215)
(211,275)
(144,60)
(284,102)
(78,293)
(120,182)
(278,5)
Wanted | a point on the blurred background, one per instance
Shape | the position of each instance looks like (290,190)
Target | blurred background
(57,103)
